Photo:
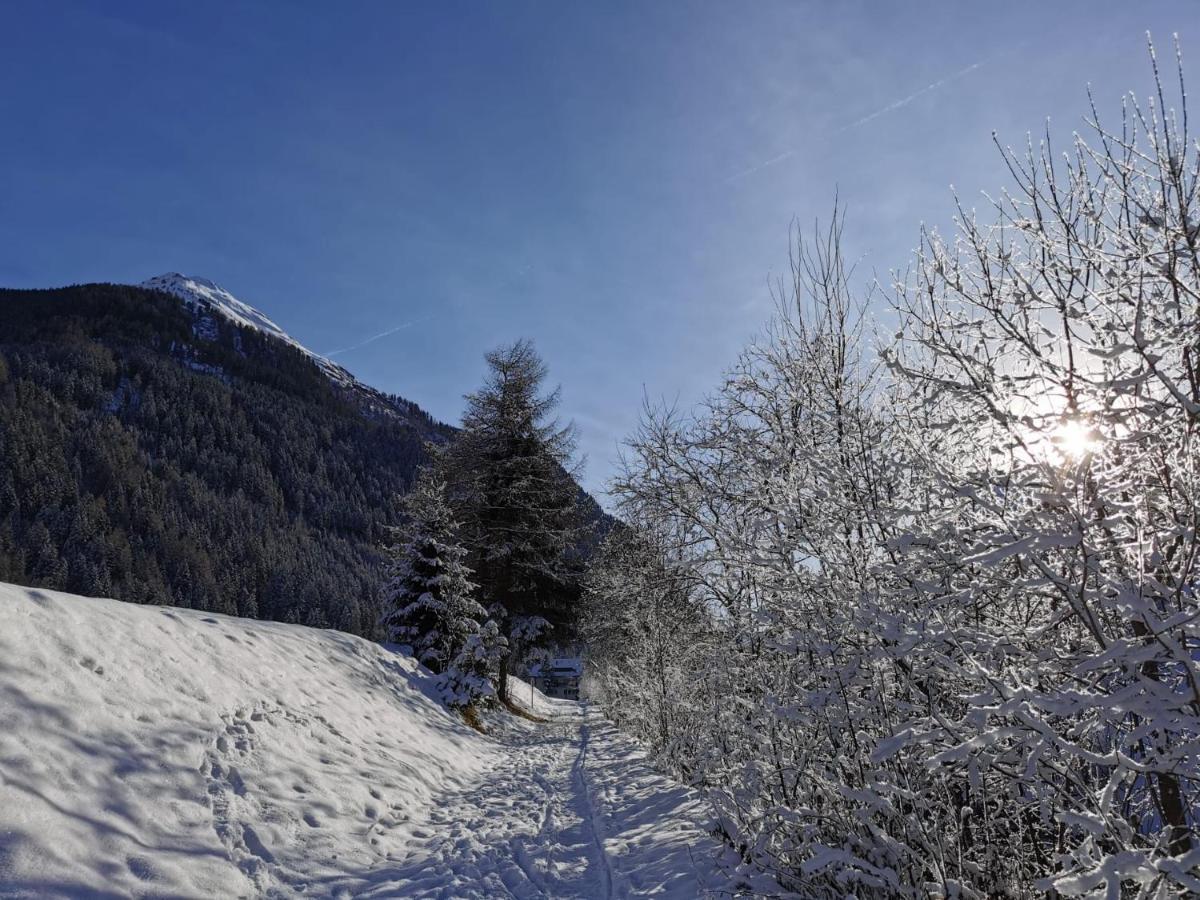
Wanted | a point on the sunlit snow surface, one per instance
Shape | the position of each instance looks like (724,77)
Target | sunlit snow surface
(151,751)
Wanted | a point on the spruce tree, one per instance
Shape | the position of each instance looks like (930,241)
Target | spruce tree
(471,676)
(511,468)
(429,602)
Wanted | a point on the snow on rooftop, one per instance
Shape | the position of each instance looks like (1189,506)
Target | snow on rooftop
(566,665)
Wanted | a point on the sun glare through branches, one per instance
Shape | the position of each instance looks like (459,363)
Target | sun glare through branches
(1076,439)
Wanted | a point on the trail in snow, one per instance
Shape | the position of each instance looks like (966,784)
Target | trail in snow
(571,809)
(157,752)
(588,809)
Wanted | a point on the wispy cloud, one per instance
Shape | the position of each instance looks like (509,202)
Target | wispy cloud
(882,111)
(375,337)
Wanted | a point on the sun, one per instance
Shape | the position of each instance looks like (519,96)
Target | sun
(1075,439)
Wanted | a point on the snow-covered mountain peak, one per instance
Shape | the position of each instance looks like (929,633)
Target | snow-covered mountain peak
(204,295)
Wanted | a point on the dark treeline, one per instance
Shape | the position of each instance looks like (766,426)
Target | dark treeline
(141,462)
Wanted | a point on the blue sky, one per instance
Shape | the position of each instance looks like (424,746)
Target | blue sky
(615,180)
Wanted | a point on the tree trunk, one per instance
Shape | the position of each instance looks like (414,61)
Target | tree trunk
(502,687)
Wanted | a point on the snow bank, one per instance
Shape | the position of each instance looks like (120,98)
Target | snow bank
(153,751)
(534,702)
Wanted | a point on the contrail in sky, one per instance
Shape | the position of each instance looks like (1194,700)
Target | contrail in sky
(904,101)
(376,337)
(891,107)
(770,162)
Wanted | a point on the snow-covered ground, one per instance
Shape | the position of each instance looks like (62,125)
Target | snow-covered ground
(151,752)
(573,809)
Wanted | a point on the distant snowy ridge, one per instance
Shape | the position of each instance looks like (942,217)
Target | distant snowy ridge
(207,296)
(208,300)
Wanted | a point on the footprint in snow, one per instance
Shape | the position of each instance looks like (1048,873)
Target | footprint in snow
(255,845)
(235,780)
(140,868)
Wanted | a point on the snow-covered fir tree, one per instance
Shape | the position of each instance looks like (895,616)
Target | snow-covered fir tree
(430,605)
(472,674)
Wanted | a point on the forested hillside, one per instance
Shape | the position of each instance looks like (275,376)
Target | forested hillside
(151,456)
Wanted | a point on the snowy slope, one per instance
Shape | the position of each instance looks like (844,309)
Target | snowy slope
(208,298)
(165,751)
(209,302)
(150,751)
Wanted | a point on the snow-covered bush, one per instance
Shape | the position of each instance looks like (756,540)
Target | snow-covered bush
(948,590)
(1053,359)
(643,629)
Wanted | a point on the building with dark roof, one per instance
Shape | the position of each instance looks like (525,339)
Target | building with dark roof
(559,678)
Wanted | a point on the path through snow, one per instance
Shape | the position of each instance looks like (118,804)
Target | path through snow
(572,809)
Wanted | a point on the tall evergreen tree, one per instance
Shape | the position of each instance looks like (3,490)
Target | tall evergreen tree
(429,602)
(511,466)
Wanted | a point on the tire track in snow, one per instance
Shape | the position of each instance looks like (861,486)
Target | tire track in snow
(589,814)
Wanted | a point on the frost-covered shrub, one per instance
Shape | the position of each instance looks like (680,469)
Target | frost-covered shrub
(950,643)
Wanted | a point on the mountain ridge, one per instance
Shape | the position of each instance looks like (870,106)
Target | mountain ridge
(148,456)
(155,451)
(205,298)
(205,295)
